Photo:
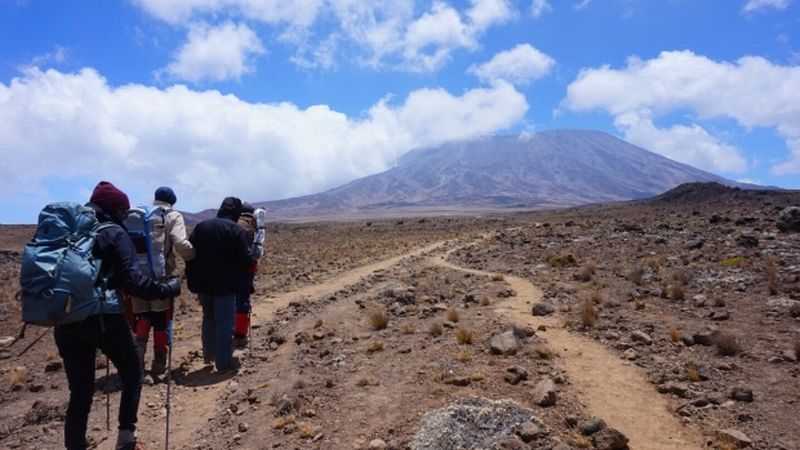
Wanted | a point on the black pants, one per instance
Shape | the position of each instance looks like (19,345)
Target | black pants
(77,345)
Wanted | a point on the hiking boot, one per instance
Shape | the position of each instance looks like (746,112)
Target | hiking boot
(159,363)
(239,342)
(208,359)
(233,367)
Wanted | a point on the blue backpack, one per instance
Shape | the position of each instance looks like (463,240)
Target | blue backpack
(59,274)
(145,226)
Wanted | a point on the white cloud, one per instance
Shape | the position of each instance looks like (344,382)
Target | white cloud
(297,13)
(216,53)
(759,5)
(540,7)
(583,4)
(519,65)
(209,145)
(408,35)
(752,91)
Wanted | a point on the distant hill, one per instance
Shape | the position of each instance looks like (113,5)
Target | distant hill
(549,169)
(704,194)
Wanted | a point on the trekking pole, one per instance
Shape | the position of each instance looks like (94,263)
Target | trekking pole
(22,334)
(169,366)
(108,396)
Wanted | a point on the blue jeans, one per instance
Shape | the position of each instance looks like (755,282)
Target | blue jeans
(218,312)
(77,344)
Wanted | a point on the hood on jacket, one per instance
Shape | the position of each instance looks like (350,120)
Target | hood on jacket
(231,208)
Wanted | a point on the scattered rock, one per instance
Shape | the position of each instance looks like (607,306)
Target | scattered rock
(789,219)
(504,344)
(544,394)
(53,366)
(470,422)
(719,315)
(509,444)
(678,389)
(542,309)
(741,394)
(591,426)
(736,437)
(377,444)
(457,381)
(609,439)
(531,430)
(747,241)
(515,374)
(641,337)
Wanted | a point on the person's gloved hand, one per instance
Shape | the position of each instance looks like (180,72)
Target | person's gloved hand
(171,287)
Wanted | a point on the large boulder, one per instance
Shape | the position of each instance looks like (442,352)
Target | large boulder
(470,423)
(789,219)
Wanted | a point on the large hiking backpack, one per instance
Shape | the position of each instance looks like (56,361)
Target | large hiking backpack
(60,271)
(146,226)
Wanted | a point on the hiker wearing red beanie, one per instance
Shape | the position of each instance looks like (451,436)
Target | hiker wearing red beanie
(106,327)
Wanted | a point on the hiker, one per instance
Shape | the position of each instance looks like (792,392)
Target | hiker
(107,329)
(241,324)
(221,248)
(168,238)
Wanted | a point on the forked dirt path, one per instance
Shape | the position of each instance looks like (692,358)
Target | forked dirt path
(194,407)
(612,390)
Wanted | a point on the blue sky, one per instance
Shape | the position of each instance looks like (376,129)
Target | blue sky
(269,99)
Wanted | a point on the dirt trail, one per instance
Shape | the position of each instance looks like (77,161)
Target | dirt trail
(610,388)
(194,406)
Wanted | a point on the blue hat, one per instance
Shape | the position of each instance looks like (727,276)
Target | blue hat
(165,194)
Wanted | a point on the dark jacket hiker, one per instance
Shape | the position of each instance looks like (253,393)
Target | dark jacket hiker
(109,331)
(221,249)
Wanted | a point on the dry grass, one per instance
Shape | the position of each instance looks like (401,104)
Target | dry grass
(584,275)
(451,315)
(378,320)
(676,292)
(733,261)
(728,344)
(544,351)
(719,302)
(682,277)
(436,329)
(18,376)
(300,383)
(463,336)
(580,441)
(562,261)
(596,298)
(375,347)
(588,313)
(636,275)
(281,422)
(498,277)
(305,431)
(484,301)
(694,375)
(463,356)
(477,376)
(771,275)
(408,328)
(674,334)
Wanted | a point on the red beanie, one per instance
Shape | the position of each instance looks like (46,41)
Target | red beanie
(109,198)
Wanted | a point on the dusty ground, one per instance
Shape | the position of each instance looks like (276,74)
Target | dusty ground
(645,287)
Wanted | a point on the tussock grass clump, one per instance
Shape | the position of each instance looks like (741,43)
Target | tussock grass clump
(596,298)
(498,277)
(463,336)
(378,319)
(728,344)
(584,275)
(733,261)
(544,351)
(682,277)
(305,431)
(282,422)
(636,275)
(451,315)
(674,334)
(580,441)
(770,275)
(676,292)
(436,329)
(484,301)
(562,261)
(407,328)
(719,302)
(18,376)
(588,313)
(694,375)
(463,356)
(477,376)
(375,347)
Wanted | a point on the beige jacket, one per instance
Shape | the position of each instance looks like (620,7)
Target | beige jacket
(175,241)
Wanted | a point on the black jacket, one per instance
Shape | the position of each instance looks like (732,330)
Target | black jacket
(118,254)
(221,248)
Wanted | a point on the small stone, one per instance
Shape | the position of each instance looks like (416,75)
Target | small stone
(741,394)
(377,444)
(736,437)
(504,344)
(530,431)
(609,439)
(630,354)
(642,337)
(542,309)
(678,389)
(243,427)
(591,426)
(720,316)
(544,394)
(509,444)
(457,381)
(4,355)
(705,337)
(515,374)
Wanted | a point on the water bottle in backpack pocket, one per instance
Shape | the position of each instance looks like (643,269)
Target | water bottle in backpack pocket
(60,273)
